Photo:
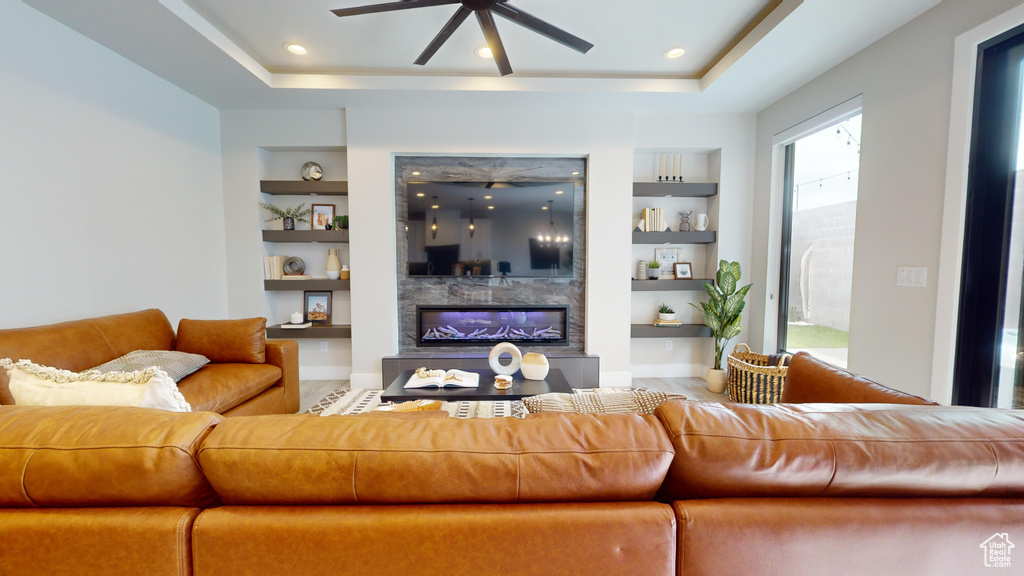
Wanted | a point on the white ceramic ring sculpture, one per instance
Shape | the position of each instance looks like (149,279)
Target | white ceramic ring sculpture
(502,348)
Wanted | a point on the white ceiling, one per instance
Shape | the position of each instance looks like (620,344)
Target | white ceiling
(742,55)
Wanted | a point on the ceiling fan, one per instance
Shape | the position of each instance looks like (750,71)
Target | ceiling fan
(483,10)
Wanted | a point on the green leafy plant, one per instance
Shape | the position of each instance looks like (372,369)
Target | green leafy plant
(298,213)
(666,309)
(340,222)
(653,265)
(722,312)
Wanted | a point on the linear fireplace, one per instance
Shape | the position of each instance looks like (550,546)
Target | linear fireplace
(476,325)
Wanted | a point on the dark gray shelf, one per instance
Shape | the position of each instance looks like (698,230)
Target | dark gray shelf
(304,187)
(311,284)
(669,285)
(706,237)
(305,236)
(684,331)
(674,189)
(313,332)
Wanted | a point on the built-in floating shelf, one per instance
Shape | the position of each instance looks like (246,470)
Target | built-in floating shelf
(305,236)
(706,237)
(304,187)
(674,189)
(684,331)
(310,284)
(313,332)
(668,285)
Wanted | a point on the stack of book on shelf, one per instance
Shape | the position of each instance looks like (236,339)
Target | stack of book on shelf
(273,267)
(652,220)
(290,326)
(668,323)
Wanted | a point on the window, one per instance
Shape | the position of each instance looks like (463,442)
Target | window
(989,359)
(819,222)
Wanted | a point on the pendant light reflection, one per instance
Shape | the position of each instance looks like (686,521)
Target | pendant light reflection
(472,226)
(433,224)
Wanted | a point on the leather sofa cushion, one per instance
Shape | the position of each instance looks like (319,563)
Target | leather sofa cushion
(82,344)
(811,380)
(288,460)
(224,340)
(606,539)
(868,450)
(155,541)
(101,456)
(220,387)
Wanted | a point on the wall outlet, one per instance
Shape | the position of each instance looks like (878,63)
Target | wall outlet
(668,344)
(323,346)
(912,277)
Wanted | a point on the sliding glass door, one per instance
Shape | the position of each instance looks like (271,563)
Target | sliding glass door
(818,230)
(989,363)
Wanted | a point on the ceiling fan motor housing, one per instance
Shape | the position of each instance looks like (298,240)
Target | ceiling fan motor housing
(479,5)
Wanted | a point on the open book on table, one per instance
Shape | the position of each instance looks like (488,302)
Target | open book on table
(441,379)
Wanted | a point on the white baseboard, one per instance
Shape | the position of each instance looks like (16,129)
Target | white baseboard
(668,370)
(325,372)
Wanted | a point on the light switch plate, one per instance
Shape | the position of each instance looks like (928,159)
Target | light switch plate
(912,277)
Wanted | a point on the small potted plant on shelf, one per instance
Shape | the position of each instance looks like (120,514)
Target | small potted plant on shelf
(665,312)
(340,222)
(653,270)
(288,216)
(722,316)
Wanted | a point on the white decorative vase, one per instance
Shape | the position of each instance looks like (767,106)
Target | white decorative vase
(333,264)
(716,380)
(535,366)
(505,348)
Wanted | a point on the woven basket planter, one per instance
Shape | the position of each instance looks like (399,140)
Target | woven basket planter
(756,378)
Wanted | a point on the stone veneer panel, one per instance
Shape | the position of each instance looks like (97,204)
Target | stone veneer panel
(482,290)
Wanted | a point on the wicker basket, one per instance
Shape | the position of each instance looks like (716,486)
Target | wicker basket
(756,378)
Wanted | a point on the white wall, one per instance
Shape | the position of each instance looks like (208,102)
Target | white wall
(906,82)
(109,183)
(376,136)
(273,145)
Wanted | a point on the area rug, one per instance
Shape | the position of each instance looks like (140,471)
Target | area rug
(348,402)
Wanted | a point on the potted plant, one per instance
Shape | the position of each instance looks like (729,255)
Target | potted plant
(653,270)
(288,216)
(722,316)
(665,312)
(340,222)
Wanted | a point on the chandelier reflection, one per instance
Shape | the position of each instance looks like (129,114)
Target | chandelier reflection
(552,238)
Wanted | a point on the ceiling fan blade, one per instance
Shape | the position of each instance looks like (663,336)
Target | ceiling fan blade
(390,6)
(541,27)
(494,42)
(444,35)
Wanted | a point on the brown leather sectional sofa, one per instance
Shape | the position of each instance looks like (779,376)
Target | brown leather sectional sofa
(246,375)
(697,489)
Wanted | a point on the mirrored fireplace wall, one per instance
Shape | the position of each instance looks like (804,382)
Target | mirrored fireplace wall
(490,231)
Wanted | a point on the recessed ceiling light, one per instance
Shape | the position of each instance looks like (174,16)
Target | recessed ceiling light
(416,174)
(434,206)
(543,207)
(488,197)
(484,52)
(296,49)
(575,173)
(675,53)
(419,194)
(490,207)
(560,192)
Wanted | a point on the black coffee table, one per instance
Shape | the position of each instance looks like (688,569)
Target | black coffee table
(521,388)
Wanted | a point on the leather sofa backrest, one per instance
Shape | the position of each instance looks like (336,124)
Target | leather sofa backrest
(866,450)
(82,344)
(65,457)
(294,460)
(812,380)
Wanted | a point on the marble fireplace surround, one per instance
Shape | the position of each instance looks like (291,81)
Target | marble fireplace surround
(470,291)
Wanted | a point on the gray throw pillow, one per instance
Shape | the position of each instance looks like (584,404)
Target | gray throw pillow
(177,365)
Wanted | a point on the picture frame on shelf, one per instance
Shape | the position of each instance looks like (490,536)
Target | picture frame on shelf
(321,217)
(683,270)
(668,257)
(317,306)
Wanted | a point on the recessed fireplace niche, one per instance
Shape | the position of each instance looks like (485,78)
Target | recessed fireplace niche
(487,288)
(488,325)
